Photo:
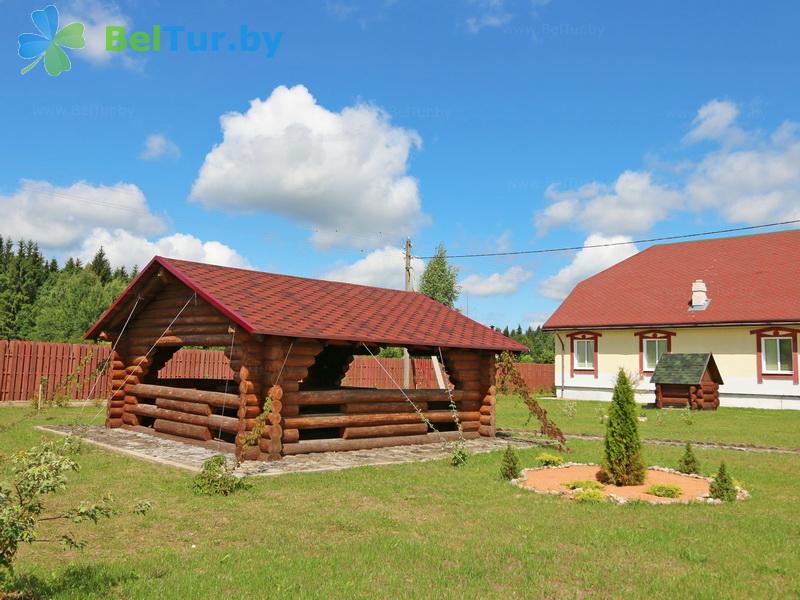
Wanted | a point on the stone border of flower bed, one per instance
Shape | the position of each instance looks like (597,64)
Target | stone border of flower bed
(741,493)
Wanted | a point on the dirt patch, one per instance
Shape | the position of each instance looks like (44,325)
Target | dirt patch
(552,480)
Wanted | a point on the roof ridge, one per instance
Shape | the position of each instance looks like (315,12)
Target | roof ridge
(334,281)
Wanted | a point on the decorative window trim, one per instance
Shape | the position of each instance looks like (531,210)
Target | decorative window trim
(582,335)
(652,334)
(776,332)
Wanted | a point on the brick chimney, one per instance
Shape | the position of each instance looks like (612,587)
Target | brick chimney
(699,295)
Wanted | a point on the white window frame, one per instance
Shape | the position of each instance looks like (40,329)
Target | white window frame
(590,355)
(764,368)
(647,367)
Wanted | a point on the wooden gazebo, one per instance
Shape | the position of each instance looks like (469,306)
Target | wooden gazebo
(691,380)
(296,337)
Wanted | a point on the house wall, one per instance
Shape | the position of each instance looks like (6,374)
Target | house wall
(734,350)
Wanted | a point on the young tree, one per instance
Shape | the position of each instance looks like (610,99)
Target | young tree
(439,279)
(688,462)
(36,473)
(623,463)
(509,467)
(722,487)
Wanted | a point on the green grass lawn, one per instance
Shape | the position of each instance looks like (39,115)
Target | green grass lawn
(425,530)
(730,425)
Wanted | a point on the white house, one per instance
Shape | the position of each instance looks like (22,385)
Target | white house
(736,297)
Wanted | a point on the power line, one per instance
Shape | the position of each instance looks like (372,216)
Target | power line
(609,244)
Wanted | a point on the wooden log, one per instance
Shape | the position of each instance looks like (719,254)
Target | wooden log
(363,395)
(229,424)
(382,407)
(487,420)
(129,418)
(486,431)
(470,426)
(194,408)
(291,435)
(217,399)
(384,431)
(115,412)
(486,410)
(193,340)
(338,445)
(327,421)
(187,430)
(213,422)
(114,423)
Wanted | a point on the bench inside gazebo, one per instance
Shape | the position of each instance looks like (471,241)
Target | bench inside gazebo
(290,341)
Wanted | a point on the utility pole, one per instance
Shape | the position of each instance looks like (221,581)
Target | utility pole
(406,356)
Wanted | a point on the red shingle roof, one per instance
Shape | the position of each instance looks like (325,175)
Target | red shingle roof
(750,279)
(271,304)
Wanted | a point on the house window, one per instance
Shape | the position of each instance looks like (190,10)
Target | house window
(653,349)
(776,354)
(584,355)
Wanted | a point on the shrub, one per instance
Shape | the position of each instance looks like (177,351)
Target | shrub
(688,462)
(509,467)
(547,459)
(622,463)
(35,474)
(460,456)
(216,479)
(570,408)
(584,484)
(664,490)
(722,487)
(590,496)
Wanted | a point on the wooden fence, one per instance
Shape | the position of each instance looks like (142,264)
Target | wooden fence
(30,368)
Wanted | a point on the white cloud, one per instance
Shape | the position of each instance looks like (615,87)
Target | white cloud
(59,218)
(95,16)
(755,185)
(714,122)
(157,145)
(586,263)
(342,173)
(493,21)
(76,220)
(503,242)
(382,268)
(496,283)
(124,248)
(634,203)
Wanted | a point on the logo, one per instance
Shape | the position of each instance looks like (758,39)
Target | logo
(51,43)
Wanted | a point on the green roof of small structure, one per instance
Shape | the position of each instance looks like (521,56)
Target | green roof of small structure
(685,369)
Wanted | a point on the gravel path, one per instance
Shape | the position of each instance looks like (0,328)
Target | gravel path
(511,434)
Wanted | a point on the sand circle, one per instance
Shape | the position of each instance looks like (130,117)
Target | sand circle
(552,480)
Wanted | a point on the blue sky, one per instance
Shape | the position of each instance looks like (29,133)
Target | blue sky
(486,125)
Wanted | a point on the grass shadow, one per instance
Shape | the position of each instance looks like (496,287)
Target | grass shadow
(86,581)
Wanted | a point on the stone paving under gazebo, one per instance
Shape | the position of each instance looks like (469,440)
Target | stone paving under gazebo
(178,454)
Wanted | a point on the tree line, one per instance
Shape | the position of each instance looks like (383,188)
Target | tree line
(43,302)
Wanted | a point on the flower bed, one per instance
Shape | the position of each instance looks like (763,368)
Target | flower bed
(552,480)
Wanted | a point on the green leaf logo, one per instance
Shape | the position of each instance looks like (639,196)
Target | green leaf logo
(50,42)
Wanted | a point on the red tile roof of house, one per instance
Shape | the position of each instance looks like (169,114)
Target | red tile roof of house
(750,279)
(271,304)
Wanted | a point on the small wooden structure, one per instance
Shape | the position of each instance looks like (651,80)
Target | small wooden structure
(691,380)
(293,339)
